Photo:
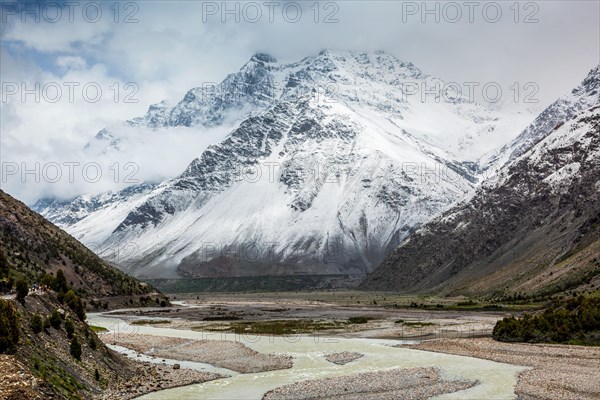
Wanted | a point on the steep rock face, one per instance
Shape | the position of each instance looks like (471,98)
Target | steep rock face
(331,165)
(534,230)
(253,86)
(69,212)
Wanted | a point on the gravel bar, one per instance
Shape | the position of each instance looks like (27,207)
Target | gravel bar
(413,384)
(559,371)
(343,358)
(228,354)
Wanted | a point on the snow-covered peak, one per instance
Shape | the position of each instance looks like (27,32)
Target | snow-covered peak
(263,57)
(584,96)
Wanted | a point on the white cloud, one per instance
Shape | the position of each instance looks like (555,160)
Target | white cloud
(172,49)
(71,62)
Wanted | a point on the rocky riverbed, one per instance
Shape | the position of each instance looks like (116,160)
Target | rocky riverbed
(559,371)
(415,383)
(150,378)
(343,358)
(228,354)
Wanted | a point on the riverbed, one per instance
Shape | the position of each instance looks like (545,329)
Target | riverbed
(495,380)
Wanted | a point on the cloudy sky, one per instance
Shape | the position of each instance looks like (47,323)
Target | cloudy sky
(139,53)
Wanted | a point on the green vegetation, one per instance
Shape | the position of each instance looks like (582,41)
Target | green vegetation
(62,381)
(4,265)
(359,320)
(37,325)
(229,317)
(55,319)
(92,343)
(97,329)
(575,321)
(9,329)
(417,323)
(60,284)
(150,321)
(22,288)
(6,281)
(69,328)
(75,349)
(277,327)
(75,304)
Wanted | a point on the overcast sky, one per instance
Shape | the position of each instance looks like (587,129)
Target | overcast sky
(167,47)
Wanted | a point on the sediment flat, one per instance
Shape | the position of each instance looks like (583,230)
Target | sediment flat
(228,354)
(414,383)
(559,371)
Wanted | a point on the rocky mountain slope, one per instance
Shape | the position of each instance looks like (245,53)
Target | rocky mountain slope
(535,229)
(34,247)
(329,165)
(47,350)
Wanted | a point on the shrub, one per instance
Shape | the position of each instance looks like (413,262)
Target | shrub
(74,302)
(359,320)
(55,319)
(75,349)
(60,284)
(48,281)
(69,328)
(47,324)
(576,320)
(9,329)
(93,344)
(37,325)
(22,287)
(4,265)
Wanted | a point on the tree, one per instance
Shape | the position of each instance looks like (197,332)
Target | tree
(37,324)
(22,287)
(4,266)
(61,284)
(48,281)
(75,348)
(74,302)
(69,328)
(9,329)
(55,319)
(47,324)
(93,344)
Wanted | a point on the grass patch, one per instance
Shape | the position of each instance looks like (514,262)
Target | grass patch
(222,318)
(150,322)
(97,329)
(418,323)
(359,320)
(278,327)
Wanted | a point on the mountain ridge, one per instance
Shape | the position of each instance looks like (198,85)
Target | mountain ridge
(355,160)
(533,231)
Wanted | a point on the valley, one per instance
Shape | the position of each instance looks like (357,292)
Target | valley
(332,205)
(323,328)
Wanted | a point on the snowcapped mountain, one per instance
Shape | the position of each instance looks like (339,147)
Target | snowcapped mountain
(533,230)
(328,165)
(581,98)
